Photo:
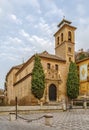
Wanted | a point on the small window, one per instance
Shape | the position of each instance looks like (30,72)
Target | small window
(69,49)
(69,36)
(88,66)
(61,37)
(69,59)
(57,40)
(56,67)
(48,65)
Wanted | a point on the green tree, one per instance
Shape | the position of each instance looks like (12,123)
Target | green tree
(73,82)
(38,78)
(82,56)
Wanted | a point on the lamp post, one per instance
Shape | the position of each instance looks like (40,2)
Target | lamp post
(16,106)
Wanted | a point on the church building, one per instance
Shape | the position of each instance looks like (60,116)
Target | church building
(18,79)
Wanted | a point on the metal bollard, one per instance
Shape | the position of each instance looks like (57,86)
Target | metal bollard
(48,119)
(12,116)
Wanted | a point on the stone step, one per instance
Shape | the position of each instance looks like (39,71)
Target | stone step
(53,104)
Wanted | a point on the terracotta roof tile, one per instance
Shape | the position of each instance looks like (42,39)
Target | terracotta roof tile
(51,56)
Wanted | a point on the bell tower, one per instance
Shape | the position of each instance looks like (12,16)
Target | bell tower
(65,41)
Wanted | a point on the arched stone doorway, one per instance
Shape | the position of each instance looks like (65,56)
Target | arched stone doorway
(52,92)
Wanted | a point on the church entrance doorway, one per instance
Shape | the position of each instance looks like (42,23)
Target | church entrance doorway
(52,92)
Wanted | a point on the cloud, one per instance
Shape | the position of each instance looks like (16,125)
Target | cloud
(33,3)
(0,10)
(27,4)
(14,19)
(38,42)
(11,46)
(3,54)
(83,21)
(82,34)
(11,42)
(23,33)
(15,40)
(44,27)
(5,6)
(53,10)
(81,9)
(15,48)
(30,18)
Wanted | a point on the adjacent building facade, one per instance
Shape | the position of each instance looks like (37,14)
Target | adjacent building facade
(18,79)
(83,71)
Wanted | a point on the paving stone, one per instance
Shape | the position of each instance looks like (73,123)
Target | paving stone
(76,119)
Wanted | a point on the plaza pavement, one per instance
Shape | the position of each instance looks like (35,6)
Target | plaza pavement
(76,119)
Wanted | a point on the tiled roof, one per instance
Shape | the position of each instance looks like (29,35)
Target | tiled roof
(14,67)
(45,54)
(64,21)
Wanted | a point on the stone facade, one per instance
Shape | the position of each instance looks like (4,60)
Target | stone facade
(18,79)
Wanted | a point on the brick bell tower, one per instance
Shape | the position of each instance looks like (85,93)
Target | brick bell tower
(65,41)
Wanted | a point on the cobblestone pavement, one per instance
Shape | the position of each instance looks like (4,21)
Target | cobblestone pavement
(76,119)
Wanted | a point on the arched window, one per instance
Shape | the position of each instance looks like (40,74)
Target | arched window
(70,59)
(56,67)
(61,37)
(58,40)
(48,65)
(69,36)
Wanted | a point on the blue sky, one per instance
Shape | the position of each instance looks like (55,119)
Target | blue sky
(27,27)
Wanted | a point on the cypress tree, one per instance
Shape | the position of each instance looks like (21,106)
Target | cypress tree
(73,82)
(38,78)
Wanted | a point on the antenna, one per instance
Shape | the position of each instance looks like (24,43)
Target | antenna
(63,17)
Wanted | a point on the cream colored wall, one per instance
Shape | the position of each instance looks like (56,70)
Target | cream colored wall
(58,34)
(26,71)
(67,29)
(10,89)
(23,88)
(62,48)
(61,51)
(45,61)
(62,71)
(72,53)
